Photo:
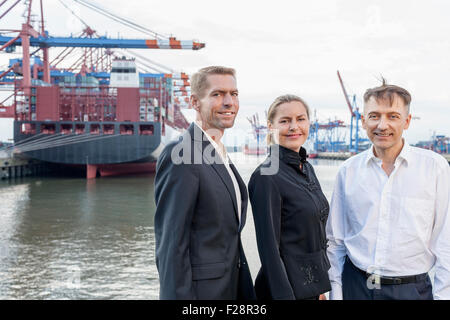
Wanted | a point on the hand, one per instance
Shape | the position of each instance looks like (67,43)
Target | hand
(322,297)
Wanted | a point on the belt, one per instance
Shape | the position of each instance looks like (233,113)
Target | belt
(390,280)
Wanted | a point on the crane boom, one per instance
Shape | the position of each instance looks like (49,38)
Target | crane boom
(345,94)
(103,42)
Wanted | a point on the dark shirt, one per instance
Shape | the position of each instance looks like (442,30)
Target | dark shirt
(290,213)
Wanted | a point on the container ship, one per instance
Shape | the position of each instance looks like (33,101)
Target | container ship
(104,120)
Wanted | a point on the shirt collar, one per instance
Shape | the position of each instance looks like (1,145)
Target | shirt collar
(291,157)
(405,153)
(222,151)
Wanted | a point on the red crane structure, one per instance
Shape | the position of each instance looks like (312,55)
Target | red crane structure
(99,113)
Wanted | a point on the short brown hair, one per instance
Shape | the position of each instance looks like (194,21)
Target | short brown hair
(199,80)
(286,98)
(388,92)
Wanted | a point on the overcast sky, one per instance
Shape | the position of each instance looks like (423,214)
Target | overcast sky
(295,47)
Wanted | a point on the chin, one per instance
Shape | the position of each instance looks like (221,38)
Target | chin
(228,125)
(383,145)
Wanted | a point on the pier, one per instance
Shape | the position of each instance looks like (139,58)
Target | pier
(334,155)
(447,157)
(346,155)
(12,167)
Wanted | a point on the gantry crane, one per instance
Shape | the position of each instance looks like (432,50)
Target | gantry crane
(28,37)
(355,139)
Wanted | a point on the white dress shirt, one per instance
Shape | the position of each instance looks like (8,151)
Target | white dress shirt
(226,161)
(395,225)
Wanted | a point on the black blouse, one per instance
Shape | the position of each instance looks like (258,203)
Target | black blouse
(290,213)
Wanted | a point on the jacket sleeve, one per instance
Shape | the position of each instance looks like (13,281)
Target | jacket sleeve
(176,190)
(266,206)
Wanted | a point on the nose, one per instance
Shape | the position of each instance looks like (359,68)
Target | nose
(228,99)
(292,126)
(382,123)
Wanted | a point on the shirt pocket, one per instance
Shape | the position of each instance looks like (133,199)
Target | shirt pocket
(416,217)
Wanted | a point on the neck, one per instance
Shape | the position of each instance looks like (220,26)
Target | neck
(297,150)
(214,133)
(388,156)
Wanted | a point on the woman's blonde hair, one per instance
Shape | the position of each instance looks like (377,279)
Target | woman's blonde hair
(286,98)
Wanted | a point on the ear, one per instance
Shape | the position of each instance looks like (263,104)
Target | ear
(363,122)
(194,101)
(408,121)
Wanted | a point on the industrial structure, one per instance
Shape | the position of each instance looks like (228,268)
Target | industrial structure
(256,143)
(356,142)
(328,137)
(100,113)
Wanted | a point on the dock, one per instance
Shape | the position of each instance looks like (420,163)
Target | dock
(346,155)
(12,167)
(334,155)
(447,157)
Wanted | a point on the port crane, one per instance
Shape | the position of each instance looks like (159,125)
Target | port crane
(355,139)
(92,62)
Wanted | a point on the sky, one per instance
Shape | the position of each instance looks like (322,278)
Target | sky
(283,46)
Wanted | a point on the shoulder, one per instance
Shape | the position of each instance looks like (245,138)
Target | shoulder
(354,162)
(262,174)
(429,157)
(181,146)
(166,153)
(356,159)
(176,157)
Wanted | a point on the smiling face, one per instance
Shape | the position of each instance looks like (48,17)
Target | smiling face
(292,122)
(218,105)
(384,123)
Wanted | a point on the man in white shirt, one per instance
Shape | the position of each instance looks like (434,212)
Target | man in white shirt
(389,222)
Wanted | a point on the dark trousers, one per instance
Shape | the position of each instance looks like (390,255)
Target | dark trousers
(355,287)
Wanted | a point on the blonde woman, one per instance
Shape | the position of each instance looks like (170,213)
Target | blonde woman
(289,210)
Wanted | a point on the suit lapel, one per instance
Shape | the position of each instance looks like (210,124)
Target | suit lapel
(226,179)
(218,166)
(244,195)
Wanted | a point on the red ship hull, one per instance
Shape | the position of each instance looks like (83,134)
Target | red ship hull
(107,170)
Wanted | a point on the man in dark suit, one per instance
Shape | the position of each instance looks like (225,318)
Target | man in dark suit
(201,201)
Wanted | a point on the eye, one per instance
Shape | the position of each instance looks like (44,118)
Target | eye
(234,94)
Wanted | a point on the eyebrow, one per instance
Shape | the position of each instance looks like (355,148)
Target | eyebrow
(390,112)
(224,90)
(300,115)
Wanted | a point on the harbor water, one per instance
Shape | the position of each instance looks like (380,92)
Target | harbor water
(72,238)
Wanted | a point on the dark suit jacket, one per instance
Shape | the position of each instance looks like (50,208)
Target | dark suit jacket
(199,253)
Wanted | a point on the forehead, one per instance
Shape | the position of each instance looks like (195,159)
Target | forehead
(385,105)
(221,82)
(290,109)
